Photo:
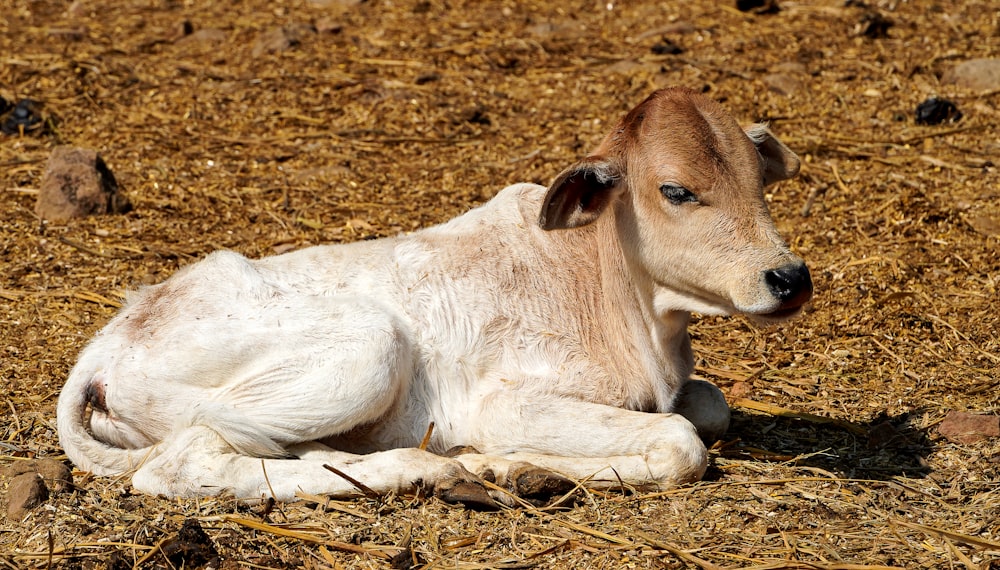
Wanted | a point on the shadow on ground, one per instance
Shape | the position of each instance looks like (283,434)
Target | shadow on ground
(886,447)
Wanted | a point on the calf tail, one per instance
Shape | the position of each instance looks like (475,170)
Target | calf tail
(80,397)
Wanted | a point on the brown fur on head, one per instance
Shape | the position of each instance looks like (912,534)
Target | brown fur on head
(687,187)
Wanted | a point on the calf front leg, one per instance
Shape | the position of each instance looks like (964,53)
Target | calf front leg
(603,445)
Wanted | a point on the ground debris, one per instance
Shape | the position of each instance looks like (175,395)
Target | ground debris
(399,117)
(191,548)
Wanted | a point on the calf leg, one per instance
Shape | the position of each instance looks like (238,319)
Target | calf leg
(199,462)
(603,445)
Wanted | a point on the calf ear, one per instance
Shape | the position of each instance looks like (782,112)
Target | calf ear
(777,161)
(579,195)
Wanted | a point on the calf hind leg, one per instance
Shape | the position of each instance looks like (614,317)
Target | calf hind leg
(198,462)
(322,368)
(341,364)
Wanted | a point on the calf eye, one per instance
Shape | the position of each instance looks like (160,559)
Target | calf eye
(677,194)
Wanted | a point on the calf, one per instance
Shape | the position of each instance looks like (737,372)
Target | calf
(544,332)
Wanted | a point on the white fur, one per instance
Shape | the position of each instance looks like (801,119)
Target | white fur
(563,349)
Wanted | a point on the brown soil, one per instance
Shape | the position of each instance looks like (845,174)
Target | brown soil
(261,127)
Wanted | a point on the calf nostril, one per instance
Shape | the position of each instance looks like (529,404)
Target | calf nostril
(790,284)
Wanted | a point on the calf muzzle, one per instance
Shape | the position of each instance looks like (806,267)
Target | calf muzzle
(791,285)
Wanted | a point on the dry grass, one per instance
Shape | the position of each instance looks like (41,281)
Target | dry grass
(413,112)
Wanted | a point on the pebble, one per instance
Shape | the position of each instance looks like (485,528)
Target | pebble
(783,83)
(740,390)
(976,74)
(204,36)
(30,483)
(279,39)
(787,78)
(935,111)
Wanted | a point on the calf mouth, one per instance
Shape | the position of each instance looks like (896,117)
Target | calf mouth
(788,309)
(782,314)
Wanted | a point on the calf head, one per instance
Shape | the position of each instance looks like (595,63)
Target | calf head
(682,185)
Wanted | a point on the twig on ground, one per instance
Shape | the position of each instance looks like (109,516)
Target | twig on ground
(365,489)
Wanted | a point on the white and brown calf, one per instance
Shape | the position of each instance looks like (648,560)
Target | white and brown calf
(545,331)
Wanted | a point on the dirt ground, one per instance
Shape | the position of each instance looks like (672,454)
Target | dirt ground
(267,126)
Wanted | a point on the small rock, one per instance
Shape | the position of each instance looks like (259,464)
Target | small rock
(633,67)
(984,224)
(790,67)
(783,83)
(26,492)
(78,183)
(740,390)
(203,36)
(673,28)
(976,74)
(280,39)
(966,428)
(56,474)
(935,111)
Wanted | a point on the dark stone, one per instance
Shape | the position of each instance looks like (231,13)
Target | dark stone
(935,111)
(26,117)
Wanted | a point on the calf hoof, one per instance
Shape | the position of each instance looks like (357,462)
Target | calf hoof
(469,494)
(703,404)
(539,486)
